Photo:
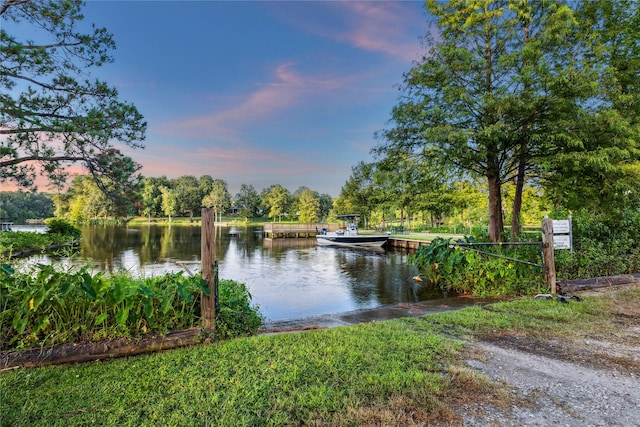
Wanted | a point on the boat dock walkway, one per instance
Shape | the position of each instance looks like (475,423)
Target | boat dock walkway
(297,229)
(275,230)
(396,242)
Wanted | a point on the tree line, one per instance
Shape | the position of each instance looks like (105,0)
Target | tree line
(20,206)
(186,196)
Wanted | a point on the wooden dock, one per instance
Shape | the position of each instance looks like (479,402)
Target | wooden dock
(298,229)
(274,230)
(395,242)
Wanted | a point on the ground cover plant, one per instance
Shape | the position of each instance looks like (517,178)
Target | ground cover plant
(403,372)
(59,232)
(50,306)
(603,245)
(464,266)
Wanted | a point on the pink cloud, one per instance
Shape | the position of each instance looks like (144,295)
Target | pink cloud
(390,27)
(287,88)
(382,27)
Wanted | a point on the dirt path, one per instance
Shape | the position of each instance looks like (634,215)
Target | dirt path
(594,381)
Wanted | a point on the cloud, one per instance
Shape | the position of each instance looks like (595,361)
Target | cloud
(287,89)
(382,27)
(389,27)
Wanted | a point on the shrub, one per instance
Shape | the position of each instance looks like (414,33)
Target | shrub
(481,271)
(63,227)
(236,316)
(603,245)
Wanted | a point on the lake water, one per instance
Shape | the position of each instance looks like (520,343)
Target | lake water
(288,278)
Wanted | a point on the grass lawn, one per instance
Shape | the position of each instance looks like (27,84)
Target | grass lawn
(400,372)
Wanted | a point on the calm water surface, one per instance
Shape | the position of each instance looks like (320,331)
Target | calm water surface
(288,278)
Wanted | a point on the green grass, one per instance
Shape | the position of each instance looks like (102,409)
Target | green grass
(400,372)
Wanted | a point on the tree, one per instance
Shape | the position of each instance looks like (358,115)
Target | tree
(86,202)
(308,205)
(326,204)
(357,194)
(205,184)
(598,168)
(152,196)
(219,198)
(187,192)
(276,200)
(19,206)
(248,201)
(499,84)
(169,201)
(49,117)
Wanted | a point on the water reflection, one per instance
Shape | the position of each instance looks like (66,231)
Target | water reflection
(288,278)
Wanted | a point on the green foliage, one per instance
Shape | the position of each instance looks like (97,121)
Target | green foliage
(63,227)
(86,202)
(603,245)
(48,97)
(276,200)
(48,306)
(479,271)
(308,205)
(236,316)
(20,241)
(218,198)
(248,201)
(19,206)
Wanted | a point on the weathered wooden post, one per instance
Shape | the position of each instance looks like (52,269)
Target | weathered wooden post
(547,251)
(207,257)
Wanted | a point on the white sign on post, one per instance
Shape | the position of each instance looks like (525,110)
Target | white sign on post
(561,226)
(562,234)
(562,241)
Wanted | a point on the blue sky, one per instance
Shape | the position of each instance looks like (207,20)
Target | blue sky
(260,92)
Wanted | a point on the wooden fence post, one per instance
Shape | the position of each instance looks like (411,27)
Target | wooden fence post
(547,251)
(207,257)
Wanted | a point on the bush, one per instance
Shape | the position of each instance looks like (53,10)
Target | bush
(603,245)
(62,227)
(481,271)
(236,317)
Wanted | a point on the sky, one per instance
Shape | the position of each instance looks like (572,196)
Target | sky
(260,92)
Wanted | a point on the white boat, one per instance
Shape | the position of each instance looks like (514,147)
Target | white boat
(349,236)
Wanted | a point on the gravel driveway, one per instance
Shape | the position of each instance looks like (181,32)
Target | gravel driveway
(589,382)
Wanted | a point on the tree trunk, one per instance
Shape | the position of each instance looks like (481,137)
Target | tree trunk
(496,223)
(517,202)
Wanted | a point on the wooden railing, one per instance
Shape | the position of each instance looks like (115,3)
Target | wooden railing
(296,229)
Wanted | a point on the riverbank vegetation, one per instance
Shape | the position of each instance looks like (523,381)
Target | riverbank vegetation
(48,305)
(602,246)
(410,371)
(59,232)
